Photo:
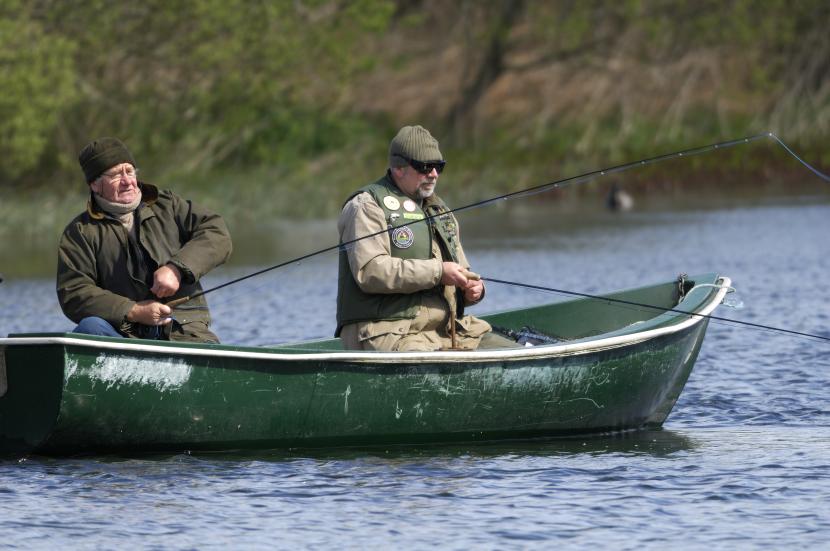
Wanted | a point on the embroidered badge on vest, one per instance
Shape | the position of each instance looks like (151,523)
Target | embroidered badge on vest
(391,203)
(402,237)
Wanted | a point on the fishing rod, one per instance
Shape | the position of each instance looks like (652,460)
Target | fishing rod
(649,306)
(572,180)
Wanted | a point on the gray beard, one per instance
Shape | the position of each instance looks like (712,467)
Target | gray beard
(423,194)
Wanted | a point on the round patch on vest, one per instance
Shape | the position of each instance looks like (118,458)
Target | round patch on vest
(409,205)
(402,237)
(391,202)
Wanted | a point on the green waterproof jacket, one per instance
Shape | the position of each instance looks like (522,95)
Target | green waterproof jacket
(103,272)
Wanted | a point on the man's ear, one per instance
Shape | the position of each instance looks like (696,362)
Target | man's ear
(95,186)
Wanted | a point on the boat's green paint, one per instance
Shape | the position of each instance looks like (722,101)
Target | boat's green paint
(69,394)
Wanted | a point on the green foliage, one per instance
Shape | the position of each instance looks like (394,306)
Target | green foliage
(192,82)
(37,83)
(197,87)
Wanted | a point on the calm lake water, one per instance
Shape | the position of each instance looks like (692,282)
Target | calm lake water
(742,462)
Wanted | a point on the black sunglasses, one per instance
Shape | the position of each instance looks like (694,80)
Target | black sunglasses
(425,167)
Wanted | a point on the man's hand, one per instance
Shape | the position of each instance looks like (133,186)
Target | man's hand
(468,282)
(474,291)
(150,312)
(453,274)
(166,281)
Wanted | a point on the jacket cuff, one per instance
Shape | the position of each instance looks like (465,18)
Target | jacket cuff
(439,271)
(187,276)
(120,315)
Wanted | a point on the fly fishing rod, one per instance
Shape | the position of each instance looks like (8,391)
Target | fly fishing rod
(572,180)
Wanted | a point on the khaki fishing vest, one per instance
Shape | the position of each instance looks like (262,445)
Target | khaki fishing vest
(411,231)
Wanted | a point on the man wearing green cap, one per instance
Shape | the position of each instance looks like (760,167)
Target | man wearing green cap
(134,246)
(403,281)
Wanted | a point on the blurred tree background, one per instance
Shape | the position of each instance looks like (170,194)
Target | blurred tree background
(281,107)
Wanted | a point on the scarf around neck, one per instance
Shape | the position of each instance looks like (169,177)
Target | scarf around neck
(123,212)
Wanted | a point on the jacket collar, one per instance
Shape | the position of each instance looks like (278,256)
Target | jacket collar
(149,195)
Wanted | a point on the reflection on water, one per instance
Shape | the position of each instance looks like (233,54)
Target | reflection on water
(656,443)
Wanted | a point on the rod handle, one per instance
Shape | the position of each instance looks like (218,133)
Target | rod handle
(174,303)
(471,275)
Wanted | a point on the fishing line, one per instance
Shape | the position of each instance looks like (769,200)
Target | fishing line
(572,180)
(815,171)
(653,307)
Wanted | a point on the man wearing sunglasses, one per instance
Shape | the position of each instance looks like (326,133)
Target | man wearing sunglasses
(403,281)
(133,247)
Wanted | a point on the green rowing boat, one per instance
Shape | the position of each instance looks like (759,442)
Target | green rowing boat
(608,364)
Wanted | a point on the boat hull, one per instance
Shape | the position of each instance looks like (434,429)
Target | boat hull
(69,394)
(106,401)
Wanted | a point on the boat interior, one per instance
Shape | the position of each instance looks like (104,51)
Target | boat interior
(586,317)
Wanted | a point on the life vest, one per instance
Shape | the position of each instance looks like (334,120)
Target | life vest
(411,232)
